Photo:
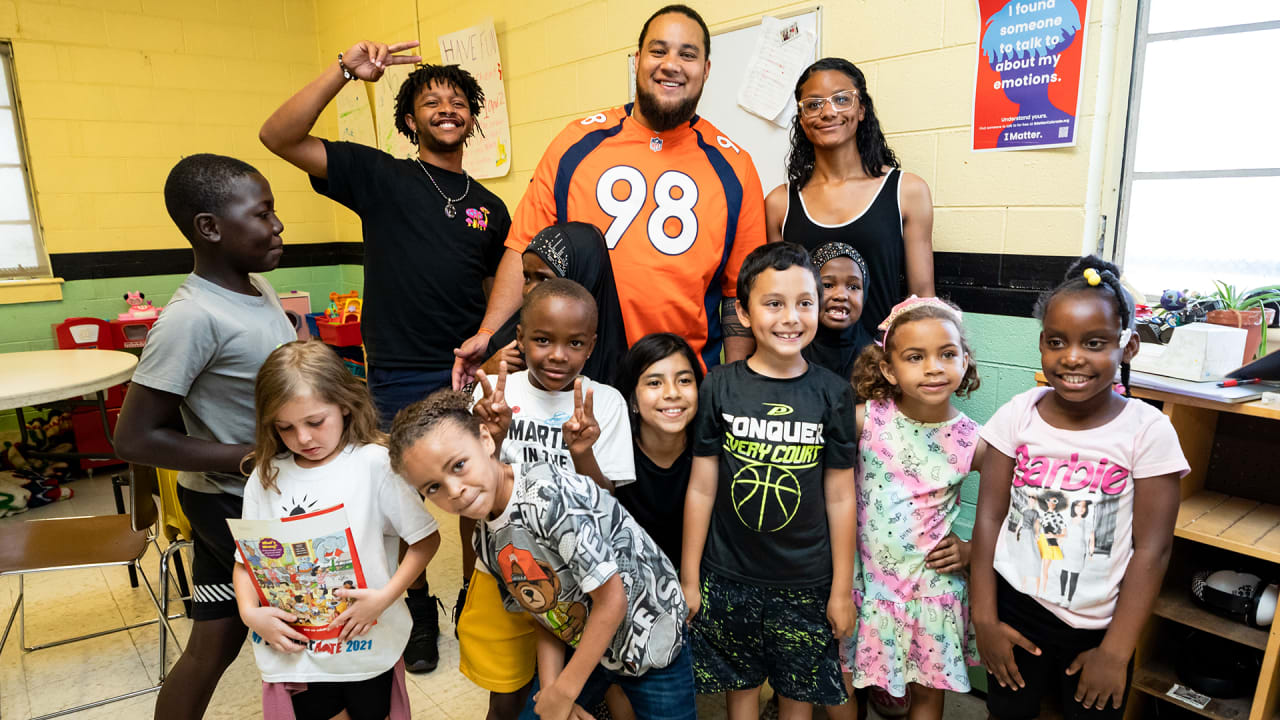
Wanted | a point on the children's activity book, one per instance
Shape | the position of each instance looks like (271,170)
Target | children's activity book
(297,563)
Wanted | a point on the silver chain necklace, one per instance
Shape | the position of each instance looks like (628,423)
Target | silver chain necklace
(449,210)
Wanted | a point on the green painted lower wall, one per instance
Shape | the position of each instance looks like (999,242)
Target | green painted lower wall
(28,326)
(1008,356)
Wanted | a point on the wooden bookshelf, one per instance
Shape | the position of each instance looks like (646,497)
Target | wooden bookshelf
(1175,604)
(1157,678)
(1240,525)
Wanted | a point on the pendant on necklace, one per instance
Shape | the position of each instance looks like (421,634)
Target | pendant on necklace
(449,211)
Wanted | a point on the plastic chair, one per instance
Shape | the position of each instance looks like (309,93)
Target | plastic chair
(177,531)
(85,333)
(84,542)
(89,333)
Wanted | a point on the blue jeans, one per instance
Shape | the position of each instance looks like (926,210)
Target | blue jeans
(394,389)
(665,693)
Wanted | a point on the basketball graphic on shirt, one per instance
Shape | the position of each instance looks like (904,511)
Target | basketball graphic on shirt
(765,497)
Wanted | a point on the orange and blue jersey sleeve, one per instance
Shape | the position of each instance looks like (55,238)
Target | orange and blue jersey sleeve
(751,225)
(537,209)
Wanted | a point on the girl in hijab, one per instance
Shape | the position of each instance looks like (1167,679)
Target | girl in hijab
(840,336)
(575,251)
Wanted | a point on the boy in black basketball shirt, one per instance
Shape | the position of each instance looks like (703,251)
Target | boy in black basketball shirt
(769,521)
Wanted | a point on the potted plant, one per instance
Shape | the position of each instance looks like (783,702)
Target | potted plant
(1245,309)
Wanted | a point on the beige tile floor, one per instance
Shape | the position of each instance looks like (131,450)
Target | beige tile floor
(61,604)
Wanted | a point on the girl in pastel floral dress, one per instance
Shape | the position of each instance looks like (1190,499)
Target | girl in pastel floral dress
(915,451)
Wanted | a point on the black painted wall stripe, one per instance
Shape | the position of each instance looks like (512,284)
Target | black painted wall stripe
(977,282)
(997,284)
(137,263)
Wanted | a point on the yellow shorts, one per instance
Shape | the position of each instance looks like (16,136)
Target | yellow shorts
(498,649)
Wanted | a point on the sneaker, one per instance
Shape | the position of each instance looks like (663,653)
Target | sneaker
(457,607)
(421,654)
(888,706)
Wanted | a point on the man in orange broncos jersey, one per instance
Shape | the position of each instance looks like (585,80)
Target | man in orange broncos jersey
(679,203)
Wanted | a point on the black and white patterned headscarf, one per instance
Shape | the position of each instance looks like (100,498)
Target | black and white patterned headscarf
(824,254)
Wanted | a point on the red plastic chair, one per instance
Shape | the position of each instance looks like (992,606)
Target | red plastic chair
(85,333)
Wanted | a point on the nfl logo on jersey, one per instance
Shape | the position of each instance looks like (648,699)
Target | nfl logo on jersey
(655,144)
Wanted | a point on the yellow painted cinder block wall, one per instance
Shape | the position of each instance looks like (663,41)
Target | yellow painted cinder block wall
(565,58)
(114,92)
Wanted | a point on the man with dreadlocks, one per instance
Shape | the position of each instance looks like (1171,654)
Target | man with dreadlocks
(433,237)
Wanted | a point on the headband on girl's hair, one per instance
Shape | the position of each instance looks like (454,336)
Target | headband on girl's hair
(910,304)
(824,254)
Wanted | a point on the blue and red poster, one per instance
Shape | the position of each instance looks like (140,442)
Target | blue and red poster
(1027,91)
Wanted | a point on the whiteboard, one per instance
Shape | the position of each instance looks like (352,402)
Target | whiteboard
(730,54)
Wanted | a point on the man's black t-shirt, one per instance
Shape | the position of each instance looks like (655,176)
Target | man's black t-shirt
(656,500)
(774,438)
(423,272)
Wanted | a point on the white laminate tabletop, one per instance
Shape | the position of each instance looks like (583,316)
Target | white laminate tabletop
(40,376)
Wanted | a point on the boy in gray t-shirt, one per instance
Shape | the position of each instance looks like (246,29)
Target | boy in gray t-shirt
(198,368)
(207,347)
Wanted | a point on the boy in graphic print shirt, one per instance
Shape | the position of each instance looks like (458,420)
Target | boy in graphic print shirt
(566,553)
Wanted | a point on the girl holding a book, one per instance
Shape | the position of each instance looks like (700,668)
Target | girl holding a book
(319,460)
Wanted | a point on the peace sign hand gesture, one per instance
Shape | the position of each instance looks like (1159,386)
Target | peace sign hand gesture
(581,431)
(492,408)
(367,60)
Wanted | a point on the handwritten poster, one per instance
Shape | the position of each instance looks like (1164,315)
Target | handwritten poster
(355,116)
(782,52)
(384,105)
(475,49)
(1027,87)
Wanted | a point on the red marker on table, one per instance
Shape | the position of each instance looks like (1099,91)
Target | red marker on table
(1233,383)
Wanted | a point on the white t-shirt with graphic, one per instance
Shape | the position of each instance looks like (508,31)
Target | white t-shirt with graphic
(382,509)
(536,418)
(1068,535)
(560,538)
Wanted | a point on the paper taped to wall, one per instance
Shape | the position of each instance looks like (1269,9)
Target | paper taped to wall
(384,100)
(475,50)
(783,50)
(355,117)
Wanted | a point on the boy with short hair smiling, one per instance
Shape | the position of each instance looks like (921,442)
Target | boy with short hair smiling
(770,516)
(547,413)
(554,409)
(200,361)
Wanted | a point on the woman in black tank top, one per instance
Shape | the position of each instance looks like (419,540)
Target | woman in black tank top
(845,185)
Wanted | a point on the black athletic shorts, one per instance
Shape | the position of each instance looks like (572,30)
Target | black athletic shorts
(1059,645)
(213,552)
(745,634)
(363,700)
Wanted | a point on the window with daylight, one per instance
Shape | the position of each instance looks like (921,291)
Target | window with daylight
(22,253)
(1201,180)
